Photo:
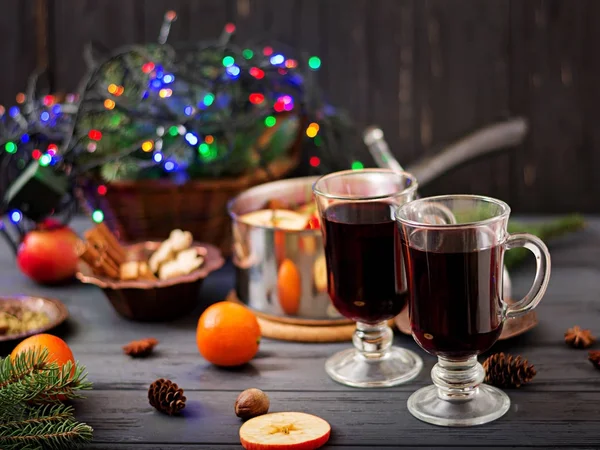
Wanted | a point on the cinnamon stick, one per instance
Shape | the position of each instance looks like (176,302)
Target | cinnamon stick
(103,246)
(99,263)
(112,240)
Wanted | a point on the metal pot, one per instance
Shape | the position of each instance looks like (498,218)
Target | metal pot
(259,251)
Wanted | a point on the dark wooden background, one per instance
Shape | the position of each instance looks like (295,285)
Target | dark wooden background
(428,72)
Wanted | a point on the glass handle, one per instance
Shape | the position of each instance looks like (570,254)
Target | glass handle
(542,272)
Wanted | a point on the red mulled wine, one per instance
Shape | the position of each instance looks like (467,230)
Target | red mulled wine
(455,302)
(359,248)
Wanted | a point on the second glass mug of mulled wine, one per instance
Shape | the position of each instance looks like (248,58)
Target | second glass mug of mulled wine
(456,305)
(357,220)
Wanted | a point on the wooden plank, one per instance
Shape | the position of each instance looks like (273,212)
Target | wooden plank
(461,84)
(586,85)
(358,417)
(17,48)
(111,23)
(195,20)
(345,38)
(553,173)
(142,446)
(391,73)
(289,367)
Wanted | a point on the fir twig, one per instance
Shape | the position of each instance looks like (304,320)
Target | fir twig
(30,378)
(27,416)
(50,431)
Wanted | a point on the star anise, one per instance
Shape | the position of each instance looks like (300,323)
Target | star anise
(141,348)
(594,357)
(579,338)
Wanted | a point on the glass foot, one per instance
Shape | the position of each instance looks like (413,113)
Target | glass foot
(486,404)
(395,366)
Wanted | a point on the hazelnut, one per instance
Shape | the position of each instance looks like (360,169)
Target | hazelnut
(251,403)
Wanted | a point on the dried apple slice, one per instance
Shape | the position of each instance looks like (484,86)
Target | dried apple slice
(277,218)
(320,274)
(285,431)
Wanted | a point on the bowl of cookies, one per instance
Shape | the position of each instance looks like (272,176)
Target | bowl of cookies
(151,280)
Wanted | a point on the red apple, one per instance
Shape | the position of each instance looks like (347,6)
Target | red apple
(48,254)
(285,431)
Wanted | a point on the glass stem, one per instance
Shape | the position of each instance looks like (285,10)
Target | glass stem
(372,340)
(457,380)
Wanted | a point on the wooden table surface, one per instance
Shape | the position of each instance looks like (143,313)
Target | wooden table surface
(559,409)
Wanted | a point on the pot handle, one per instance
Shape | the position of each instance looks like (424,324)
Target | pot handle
(487,140)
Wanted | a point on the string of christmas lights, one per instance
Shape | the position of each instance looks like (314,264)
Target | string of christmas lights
(184,111)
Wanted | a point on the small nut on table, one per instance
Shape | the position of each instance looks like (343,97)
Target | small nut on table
(251,403)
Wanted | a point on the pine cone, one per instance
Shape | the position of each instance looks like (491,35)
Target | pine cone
(166,396)
(578,338)
(141,348)
(505,371)
(594,357)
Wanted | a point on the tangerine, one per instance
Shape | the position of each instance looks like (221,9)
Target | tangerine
(58,350)
(289,287)
(228,334)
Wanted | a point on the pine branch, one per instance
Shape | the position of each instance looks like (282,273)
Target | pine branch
(44,427)
(30,378)
(38,415)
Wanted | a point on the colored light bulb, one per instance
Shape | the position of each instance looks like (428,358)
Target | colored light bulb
(233,71)
(247,53)
(256,98)
(10,147)
(228,61)
(257,73)
(147,146)
(95,135)
(357,165)
(15,216)
(277,59)
(148,67)
(270,121)
(209,99)
(203,149)
(45,160)
(97,216)
(191,138)
(314,62)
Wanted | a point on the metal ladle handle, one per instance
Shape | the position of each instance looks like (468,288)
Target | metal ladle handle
(492,138)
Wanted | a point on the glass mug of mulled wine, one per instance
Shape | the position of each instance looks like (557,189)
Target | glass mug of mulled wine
(456,306)
(357,220)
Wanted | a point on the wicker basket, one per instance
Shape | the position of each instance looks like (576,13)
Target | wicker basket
(150,209)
